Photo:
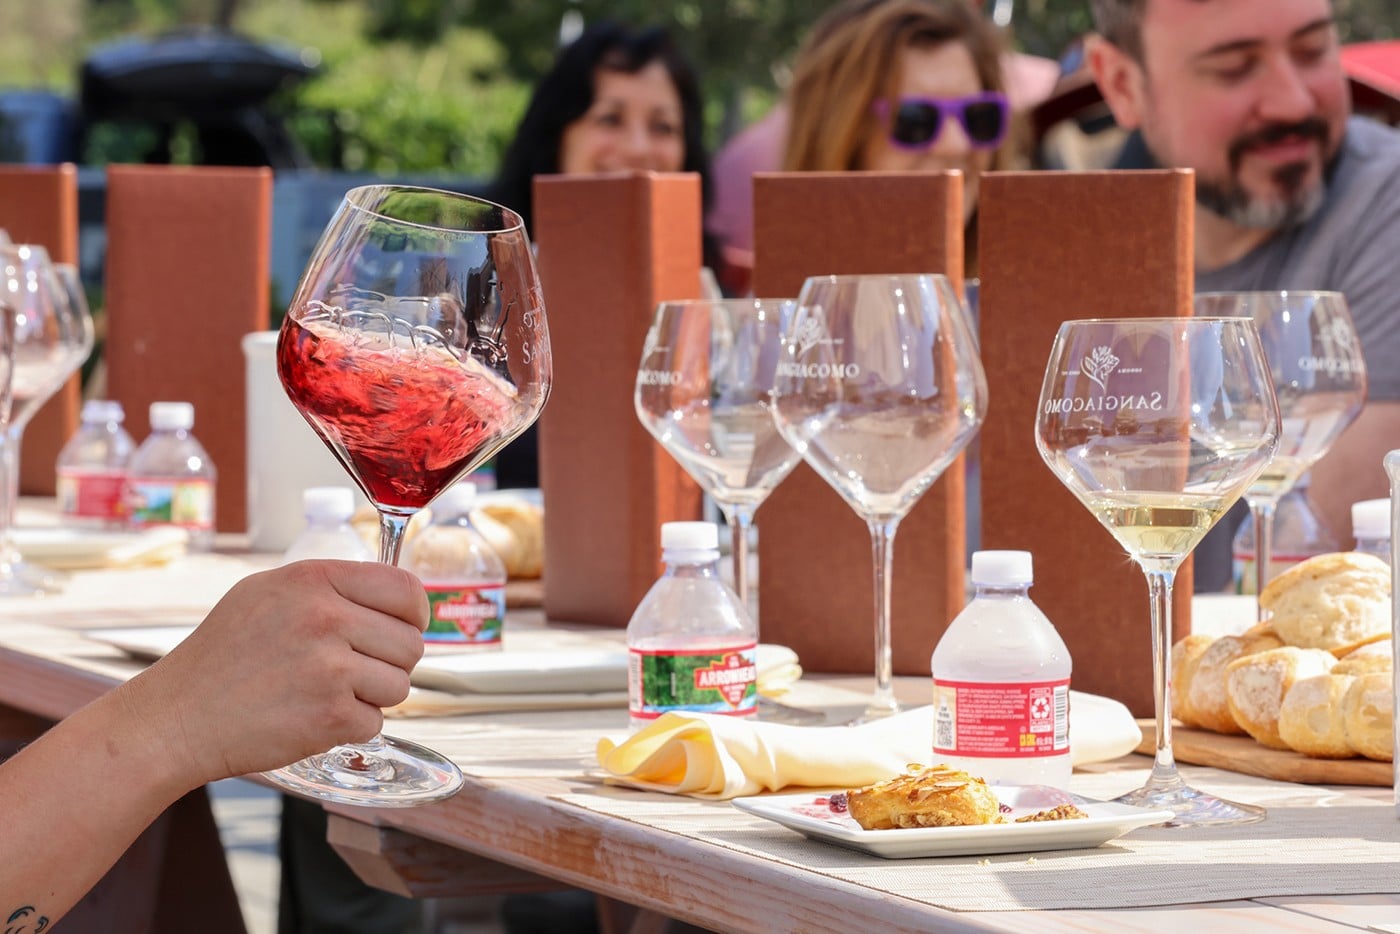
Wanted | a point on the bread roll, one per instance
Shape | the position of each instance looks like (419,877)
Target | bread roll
(1369,708)
(1312,719)
(525,520)
(1373,656)
(1256,684)
(1186,655)
(1205,688)
(1335,601)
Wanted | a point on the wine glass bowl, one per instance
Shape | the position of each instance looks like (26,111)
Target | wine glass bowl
(704,391)
(880,388)
(1157,426)
(1319,377)
(53,336)
(416,347)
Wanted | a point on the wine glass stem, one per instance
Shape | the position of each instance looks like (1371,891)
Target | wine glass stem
(740,519)
(882,544)
(11,464)
(1159,590)
(391,528)
(1263,510)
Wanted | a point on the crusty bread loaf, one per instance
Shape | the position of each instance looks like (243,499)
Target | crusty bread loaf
(940,796)
(1370,710)
(523,522)
(1373,656)
(1312,719)
(1256,684)
(1205,689)
(1335,601)
(1186,655)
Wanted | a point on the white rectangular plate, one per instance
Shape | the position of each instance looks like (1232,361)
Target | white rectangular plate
(512,672)
(808,814)
(572,671)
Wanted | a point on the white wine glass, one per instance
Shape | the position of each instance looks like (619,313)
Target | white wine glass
(880,388)
(1319,377)
(1158,425)
(416,347)
(704,390)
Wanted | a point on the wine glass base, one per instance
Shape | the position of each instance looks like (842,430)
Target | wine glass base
(876,710)
(395,774)
(1190,807)
(21,579)
(771,711)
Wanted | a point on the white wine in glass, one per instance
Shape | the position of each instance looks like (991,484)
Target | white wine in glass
(1319,377)
(880,388)
(1158,425)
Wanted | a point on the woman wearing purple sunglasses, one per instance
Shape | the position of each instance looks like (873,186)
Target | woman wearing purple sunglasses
(900,85)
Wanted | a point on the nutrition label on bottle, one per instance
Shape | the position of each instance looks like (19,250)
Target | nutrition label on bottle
(989,719)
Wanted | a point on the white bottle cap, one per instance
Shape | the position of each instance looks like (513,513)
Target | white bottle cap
(689,536)
(1002,568)
(329,503)
(1370,518)
(172,416)
(103,410)
(457,499)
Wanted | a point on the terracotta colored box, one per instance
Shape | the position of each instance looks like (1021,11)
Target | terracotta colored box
(39,204)
(187,277)
(610,248)
(1056,246)
(816,577)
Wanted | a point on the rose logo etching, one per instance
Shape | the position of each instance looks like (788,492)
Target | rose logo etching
(1098,365)
(811,332)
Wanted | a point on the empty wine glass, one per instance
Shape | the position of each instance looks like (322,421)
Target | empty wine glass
(1319,377)
(416,347)
(879,387)
(704,390)
(53,335)
(1157,425)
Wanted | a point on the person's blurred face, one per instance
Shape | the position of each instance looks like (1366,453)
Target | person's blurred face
(945,70)
(1249,93)
(635,123)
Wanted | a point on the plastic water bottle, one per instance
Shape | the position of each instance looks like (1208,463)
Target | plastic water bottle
(692,645)
(92,468)
(328,533)
(464,577)
(1370,523)
(170,479)
(1298,535)
(1001,682)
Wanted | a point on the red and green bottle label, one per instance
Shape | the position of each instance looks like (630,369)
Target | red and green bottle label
(722,681)
(469,614)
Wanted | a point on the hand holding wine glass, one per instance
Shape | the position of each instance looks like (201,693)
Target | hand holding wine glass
(1157,426)
(1319,377)
(416,347)
(880,388)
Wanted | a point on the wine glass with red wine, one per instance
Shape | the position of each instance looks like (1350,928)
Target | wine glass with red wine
(416,347)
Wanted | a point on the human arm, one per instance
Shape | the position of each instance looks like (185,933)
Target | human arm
(1353,469)
(289,663)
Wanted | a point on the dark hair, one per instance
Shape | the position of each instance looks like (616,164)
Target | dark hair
(566,92)
(1120,22)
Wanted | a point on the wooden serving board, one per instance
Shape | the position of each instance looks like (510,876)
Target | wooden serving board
(524,593)
(1242,754)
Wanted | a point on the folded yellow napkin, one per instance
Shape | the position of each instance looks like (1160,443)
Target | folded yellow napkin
(711,756)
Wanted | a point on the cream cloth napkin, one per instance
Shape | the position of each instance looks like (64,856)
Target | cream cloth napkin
(711,756)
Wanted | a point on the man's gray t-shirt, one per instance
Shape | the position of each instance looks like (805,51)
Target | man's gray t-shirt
(1352,245)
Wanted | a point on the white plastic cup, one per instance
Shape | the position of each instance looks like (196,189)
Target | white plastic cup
(285,456)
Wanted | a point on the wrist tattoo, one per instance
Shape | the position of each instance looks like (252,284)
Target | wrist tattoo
(25,920)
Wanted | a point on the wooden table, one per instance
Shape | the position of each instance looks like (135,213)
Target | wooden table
(514,828)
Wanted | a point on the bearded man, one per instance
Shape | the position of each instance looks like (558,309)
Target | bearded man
(1292,190)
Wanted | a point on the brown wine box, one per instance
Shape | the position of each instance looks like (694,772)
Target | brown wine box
(1057,246)
(187,277)
(816,574)
(610,248)
(39,204)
